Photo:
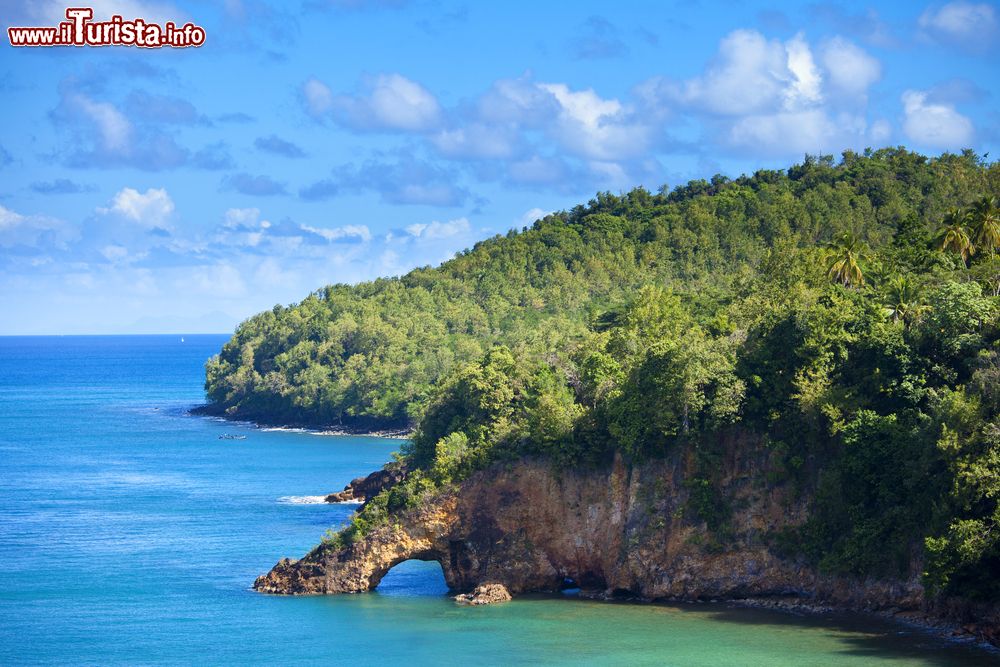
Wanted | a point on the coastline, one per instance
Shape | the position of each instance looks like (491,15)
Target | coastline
(403,432)
(535,522)
(929,623)
(937,625)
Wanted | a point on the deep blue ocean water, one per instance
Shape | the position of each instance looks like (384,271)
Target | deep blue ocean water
(130,534)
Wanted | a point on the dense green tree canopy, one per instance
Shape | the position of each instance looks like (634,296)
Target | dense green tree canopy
(843,314)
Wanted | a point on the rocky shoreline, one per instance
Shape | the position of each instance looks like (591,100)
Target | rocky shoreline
(621,533)
(397,431)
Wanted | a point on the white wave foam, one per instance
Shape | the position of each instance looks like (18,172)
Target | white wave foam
(302,500)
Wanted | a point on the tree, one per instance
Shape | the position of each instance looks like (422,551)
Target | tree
(902,300)
(985,220)
(954,236)
(848,251)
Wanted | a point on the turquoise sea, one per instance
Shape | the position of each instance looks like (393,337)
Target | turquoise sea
(130,534)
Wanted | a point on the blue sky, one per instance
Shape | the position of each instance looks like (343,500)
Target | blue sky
(319,141)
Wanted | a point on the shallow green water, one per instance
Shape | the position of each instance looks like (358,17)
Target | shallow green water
(130,534)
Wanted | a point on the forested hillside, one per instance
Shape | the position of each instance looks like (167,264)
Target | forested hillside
(843,313)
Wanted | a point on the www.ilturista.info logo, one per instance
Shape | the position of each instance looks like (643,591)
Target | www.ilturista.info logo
(79,30)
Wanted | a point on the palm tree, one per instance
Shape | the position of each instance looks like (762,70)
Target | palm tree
(954,236)
(985,219)
(902,300)
(847,251)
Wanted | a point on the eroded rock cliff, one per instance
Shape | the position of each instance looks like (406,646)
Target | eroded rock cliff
(618,532)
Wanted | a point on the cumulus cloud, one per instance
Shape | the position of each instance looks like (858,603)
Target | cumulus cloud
(935,125)
(752,74)
(138,131)
(850,70)
(749,74)
(32,234)
(113,128)
(331,234)
(596,128)
(969,25)
(316,97)
(479,141)
(772,97)
(387,102)
(150,209)
(520,101)
(242,227)
(439,230)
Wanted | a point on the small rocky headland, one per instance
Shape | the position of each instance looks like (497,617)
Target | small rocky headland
(620,532)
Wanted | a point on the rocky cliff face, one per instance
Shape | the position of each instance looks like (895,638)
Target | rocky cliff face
(619,532)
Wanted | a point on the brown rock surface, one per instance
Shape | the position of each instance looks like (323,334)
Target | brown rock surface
(620,531)
(363,488)
(485,594)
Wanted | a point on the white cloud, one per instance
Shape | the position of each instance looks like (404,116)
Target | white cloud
(752,74)
(965,23)
(799,131)
(389,102)
(435,230)
(249,218)
(805,84)
(780,98)
(150,209)
(749,74)
(594,127)
(850,69)
(347,231)
(935,125)
(242,227)
(477,140)
(318,98)
(37,231)
(114,129)
(9,218)
(519,101)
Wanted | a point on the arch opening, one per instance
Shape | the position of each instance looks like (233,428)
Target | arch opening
(414,577)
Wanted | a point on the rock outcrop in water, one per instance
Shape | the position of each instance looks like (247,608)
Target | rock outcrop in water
(621,532)
(363,488)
